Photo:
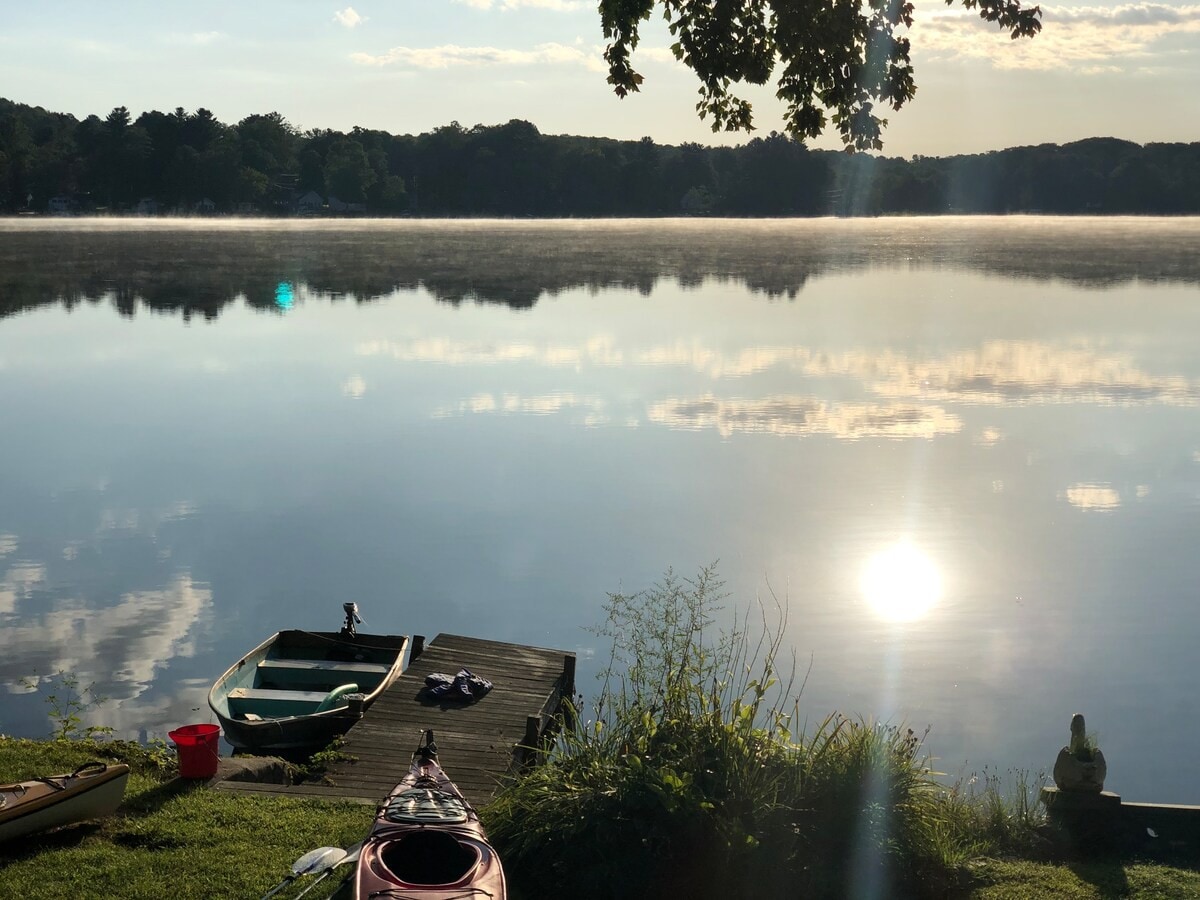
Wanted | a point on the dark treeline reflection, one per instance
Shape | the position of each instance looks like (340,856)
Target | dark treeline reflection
(197,269)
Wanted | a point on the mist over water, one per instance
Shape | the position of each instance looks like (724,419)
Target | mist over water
(964,450)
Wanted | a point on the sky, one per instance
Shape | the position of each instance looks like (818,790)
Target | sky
(1125,70)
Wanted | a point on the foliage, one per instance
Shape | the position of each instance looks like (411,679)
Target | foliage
(68,702)
(689,780)
(183,159)
(998,814)
(170,837)
(844,57)
(316,767)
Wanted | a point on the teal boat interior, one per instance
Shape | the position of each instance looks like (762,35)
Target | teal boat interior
(299,673)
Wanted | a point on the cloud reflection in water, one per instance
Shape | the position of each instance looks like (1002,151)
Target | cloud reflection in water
(805,416)
(1092,497)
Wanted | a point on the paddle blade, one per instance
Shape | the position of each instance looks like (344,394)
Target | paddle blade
(321,859)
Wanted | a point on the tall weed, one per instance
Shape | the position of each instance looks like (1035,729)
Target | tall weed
(686,779)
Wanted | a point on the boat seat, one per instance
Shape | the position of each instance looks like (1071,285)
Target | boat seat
(325,665)
(318,675)
(270,703)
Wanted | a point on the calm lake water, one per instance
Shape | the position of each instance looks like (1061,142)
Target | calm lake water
(215,430)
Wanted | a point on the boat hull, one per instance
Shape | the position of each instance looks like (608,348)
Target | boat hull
(33,806)
(427,842)
(298,690)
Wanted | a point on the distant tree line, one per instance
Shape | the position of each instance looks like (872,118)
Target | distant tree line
(192,163)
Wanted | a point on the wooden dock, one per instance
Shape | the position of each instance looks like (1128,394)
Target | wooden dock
(479,742)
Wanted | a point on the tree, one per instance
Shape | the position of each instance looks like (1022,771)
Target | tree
(837,55)
(268,143)
(348,172)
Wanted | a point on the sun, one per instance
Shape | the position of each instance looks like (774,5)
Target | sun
(901,583)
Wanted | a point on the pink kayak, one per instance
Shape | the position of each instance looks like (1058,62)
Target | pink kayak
(426,842)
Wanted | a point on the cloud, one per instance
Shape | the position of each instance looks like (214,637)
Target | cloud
(1092,497)
(989,437)
(1012,373)
(513,404)
(120,647)
(599,350)
(1089,40)
(452,56)
(354,387)
(780,415)
(18,584)
(348,17)
(997,373)
(800,416)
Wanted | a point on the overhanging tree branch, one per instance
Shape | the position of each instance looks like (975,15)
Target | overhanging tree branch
(840,56)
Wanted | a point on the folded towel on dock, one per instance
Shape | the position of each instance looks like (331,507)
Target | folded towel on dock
(463,686)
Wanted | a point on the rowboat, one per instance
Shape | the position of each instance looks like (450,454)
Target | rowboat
(427,842)
(301,689)
(89,792)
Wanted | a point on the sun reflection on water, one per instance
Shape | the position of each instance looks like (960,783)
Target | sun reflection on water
(901,584)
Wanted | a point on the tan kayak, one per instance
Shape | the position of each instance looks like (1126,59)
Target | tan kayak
(89,792)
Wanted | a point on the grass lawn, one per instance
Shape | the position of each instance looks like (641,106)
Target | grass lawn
(174,838)
(170,838)
(1094,880)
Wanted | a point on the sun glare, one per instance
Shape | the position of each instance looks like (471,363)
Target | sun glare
(901,584)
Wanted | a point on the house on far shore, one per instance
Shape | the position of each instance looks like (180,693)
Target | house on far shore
(61,205)
(147,206)
(339,206)
(204,207)
(310,204)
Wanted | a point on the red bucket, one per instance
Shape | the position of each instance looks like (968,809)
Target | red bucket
(197,748)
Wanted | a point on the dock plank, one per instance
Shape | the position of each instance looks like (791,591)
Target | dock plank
(477,741)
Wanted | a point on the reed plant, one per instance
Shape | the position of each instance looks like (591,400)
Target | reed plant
(685,777)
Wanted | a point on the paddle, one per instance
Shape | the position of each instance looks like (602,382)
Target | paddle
(321,859)
(350,856)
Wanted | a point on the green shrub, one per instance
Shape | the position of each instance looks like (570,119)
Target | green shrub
(687,780)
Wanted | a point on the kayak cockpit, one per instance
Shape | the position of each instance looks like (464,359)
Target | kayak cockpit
(430,857)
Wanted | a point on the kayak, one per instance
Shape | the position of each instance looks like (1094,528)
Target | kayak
(91,791)
(301,689)
(427,842)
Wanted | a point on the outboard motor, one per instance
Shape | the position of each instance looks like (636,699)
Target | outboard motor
(352,619)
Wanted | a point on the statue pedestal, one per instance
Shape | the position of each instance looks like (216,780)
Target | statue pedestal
(1091,820)
(1059,801)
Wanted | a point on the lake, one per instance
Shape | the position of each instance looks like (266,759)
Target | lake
(965,452)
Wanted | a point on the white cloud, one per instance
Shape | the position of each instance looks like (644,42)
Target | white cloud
(599,350)
(657,54)
(515,404)
(1092,497)
(348,17)
(1090,40)
(121,647)
(452,56)
(989,437)
(799,416)
(205,37)
(354,387)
